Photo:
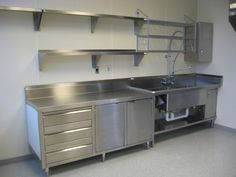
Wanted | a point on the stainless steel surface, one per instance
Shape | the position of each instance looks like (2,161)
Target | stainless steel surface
(68,136)
(161,37)
(94,17)
(19,9)
(182,83)
(95,54)
(52,104)
(69,153)
(54,97)
(200,48)
(89,52)
(210,107)
(75,143)
(165,51)
(67,126)
(167,23)
(68,110)
(63,12)
(66,116)
(140,121)
(110,122)
(183,126)
(37,13)
(186,99)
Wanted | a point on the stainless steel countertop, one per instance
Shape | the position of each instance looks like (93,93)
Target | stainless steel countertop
(54,97)
(73,101)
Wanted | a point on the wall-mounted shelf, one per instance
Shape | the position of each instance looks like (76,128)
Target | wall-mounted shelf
(38,14)
(178,26)
(94,17)
(161,37)
(19,9)
(95,54)
(166,23)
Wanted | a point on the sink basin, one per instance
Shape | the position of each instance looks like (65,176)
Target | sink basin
(181,81)
(163,87)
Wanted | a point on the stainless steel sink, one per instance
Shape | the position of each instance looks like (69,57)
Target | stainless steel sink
(154,84)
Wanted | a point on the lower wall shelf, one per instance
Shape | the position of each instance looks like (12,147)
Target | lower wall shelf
(95,54)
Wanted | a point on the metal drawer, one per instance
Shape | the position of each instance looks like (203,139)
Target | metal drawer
(61,146)
(69,126)
(66,117)
(67,136)
(69,153)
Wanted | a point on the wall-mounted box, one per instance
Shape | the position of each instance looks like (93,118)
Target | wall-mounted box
(199,42)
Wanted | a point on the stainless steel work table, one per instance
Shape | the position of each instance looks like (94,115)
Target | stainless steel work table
(90,99)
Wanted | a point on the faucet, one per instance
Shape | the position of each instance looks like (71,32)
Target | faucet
(170,79)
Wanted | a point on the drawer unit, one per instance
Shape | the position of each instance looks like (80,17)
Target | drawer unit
(69,153)
(75,143)
(66,127)
(68,136)
(66,117)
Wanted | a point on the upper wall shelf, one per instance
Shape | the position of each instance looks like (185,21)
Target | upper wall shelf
(94,17)
(166,23)
(38,14)
(19,9)
(95,54)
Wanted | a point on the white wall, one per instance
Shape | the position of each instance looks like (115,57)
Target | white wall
(19,45)
(224,61)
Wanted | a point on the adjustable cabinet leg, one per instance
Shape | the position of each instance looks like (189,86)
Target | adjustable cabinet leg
(148,145)
(103,157)
(212,123)
(47,172)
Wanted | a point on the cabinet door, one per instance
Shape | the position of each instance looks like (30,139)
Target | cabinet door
(210,107)
(140,122)
(110,123)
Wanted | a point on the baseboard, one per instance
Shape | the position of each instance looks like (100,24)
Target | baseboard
(225,128)
(16,159)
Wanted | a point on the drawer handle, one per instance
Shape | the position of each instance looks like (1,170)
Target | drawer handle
(75,112)
(67,113)
(76,130)
(74,148)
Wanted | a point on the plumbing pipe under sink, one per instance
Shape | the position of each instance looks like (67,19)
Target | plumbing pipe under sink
(170,116)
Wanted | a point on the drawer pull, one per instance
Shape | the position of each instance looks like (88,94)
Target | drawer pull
(75,112)
(74,148)
(76,130)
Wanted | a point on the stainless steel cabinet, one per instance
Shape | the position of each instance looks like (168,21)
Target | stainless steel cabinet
(139,121)
(199,42)
(124,124)
(110,123)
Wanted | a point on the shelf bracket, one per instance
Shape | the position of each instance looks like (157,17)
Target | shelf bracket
(138,58)
(138,24)
(37,16)
(40,61)
(95,59)
(94,21)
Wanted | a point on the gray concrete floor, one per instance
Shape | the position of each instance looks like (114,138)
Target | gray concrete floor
(193,152)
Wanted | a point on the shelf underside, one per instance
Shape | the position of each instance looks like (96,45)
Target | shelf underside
(95,54)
